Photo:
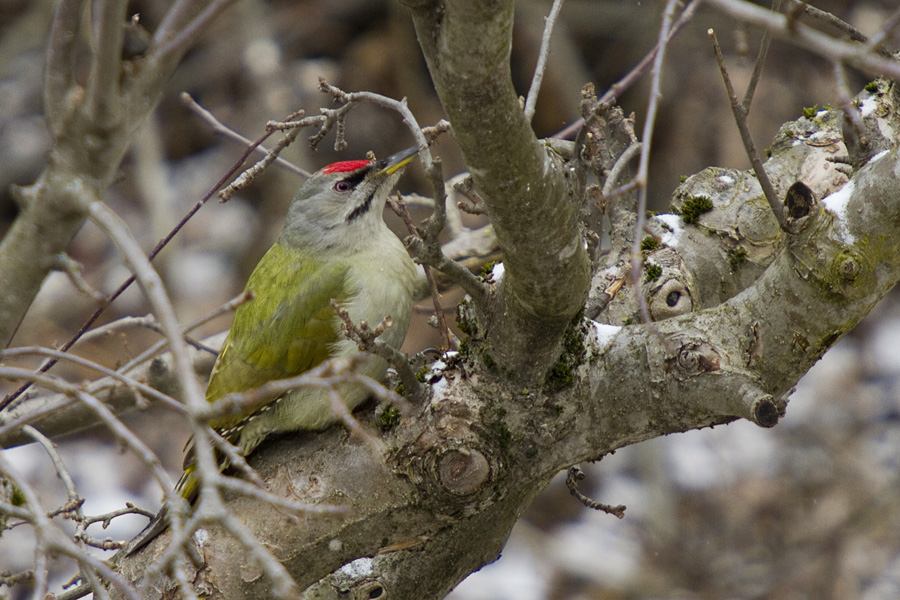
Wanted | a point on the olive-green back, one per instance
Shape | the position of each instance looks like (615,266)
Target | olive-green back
(285,330)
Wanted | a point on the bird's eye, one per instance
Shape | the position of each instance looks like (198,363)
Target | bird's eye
(343,186)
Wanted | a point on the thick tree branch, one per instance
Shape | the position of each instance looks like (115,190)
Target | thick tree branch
(526,189)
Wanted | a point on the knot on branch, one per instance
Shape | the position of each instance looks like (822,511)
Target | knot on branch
(463,471)
(846,268)
(672,298)
(692,358)
(834,261)
(453,466)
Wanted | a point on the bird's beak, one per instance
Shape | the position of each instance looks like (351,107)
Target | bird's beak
(395,162)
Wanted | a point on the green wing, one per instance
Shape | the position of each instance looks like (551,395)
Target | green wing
(285,330)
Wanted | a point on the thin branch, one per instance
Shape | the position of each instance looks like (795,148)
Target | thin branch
(103,98)
(618,88)
(222,129)
(106,519)
(152,286)
(61,471)
(367,339)
(434,224)
(620,165)
(252,172)
(179,15)
(350,98)
(135,386)
(541,66)
(575,475)
(644,167)
(181,40)
(886,30)
(831,19)
(159,346)
(73,507)
(758,67)
(49,539)
(846,100)
(812,40)
(71,267)
(59,78)
(466,187)
(399,208)
(156,250)
(106,416)
(740,117)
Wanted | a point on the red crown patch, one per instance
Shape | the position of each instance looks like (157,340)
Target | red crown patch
(345,166)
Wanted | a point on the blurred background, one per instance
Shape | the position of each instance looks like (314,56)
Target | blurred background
(808,510)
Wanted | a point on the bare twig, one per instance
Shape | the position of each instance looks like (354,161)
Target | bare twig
(59,78)
(156,250)
(432,132)
(534,90)
(575,475)
(174,43)
(71,267)
(75,501)
(400,209)
(106,518)
(758,66)
(366,337)
(159,346)
(644,167)
(50,539)
(830,18)
(226,131)
(135,386)
(350,98)
(886,30)
(426,244)
(73,507)
(152,286)
(846,100)
(740,117)
(103,99)
(620,165)
(619,87)
(466,187)
(325,376)
(106,416)
(251,173)
(812,40)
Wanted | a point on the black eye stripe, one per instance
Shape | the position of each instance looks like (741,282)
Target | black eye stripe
(362,208)
(353,180)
